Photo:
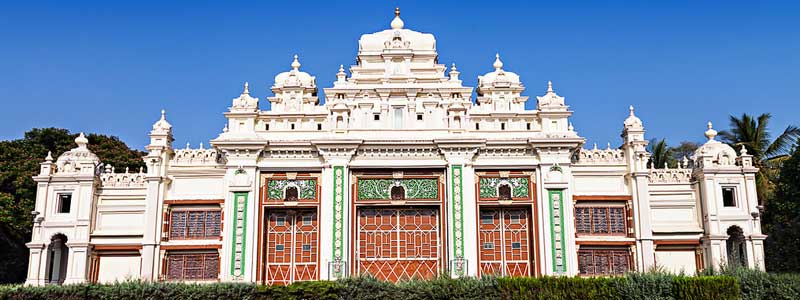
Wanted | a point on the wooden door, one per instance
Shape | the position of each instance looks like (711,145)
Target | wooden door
(505,242)
(291,246)
(398,243)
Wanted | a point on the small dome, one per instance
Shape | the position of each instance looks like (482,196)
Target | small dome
(295,77)
(162,124)
(498,75)
(397,23)
(723,153)
(633,121)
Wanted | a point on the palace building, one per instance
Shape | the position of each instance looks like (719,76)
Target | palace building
(399,173)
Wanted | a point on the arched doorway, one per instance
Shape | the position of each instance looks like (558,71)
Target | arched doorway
(291,194)
(57,255)
(504,192)
(398,193)
(737,251)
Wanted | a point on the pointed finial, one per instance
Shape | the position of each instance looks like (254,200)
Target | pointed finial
(497,63)
(127,169)
(549,86)
(201,145)
(341,68)
(684,162)
(454,73)
(666,166)
(49,157)
(710,133)
(246,88)
(608,146)
(743,150)
(295,63)
(397,23)
(453,67)
(81,141)
(187,145)
(225,129)
(595,146)
(570,128)
(631,109)
(141,170)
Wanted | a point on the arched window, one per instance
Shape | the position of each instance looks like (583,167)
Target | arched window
(398,193)
(737,252)
(290,194)
(57,255)
(504,192)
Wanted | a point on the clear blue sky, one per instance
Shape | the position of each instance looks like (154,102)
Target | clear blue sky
(110,67)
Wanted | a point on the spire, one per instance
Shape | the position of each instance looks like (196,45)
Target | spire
(454,73)
(549,86)
(246,88)
(631,109)
(82,141)
(295,63)
(341,75)
(710,133)
(498,65)
(397,23)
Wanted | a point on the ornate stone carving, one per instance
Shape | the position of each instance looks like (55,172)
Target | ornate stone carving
(111,179)
(600,156)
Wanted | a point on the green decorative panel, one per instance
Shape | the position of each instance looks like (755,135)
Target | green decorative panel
(457,202)
(557,238)
(306,188)
(415,188)
(519,186)
(239,232)
(338,212)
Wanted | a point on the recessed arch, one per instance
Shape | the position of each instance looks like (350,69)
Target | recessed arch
(736,247)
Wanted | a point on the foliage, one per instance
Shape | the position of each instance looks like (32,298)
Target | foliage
(706,287)
(782,218)
(19,162)
(757,285)
(632,286)
(684,149)
(753,134)
(660,154)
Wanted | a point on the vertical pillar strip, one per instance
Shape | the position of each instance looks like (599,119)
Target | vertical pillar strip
(557,231)
(239,234)
(457,207)
(338,221)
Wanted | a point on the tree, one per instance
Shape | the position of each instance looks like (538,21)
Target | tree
(660,153)
(685,149)
(781,219)
(753,134)
(19,162)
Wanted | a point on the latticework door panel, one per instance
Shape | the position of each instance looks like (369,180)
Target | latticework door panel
(395,244)
(291,246)
(505,242)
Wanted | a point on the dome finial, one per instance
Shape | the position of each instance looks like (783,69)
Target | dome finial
(710,133)
(82,141)
(397,23)
(549,86)
(295,63)
(631,109)
(497,63)
(246,88)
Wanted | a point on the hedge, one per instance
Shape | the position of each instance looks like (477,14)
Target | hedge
(632,286)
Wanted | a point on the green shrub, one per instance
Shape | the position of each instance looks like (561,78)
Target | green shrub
(706,287)
(646,286)
(559,288)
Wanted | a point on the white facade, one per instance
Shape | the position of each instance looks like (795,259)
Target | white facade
(399,173)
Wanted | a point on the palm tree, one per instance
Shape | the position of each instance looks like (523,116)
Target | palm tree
(661,153)
(753,134)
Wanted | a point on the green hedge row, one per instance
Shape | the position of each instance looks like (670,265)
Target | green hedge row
(742,285)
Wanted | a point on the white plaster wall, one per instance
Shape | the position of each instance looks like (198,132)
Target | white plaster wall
(118,268)
(196,188)
(596,184)
(677,261)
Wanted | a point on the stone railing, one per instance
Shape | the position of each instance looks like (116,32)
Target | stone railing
(597,156)
(666,175)
(199,156)
(109,178)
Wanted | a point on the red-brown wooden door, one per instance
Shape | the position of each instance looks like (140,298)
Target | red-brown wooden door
(398,243)
(291,246)
(505,242)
